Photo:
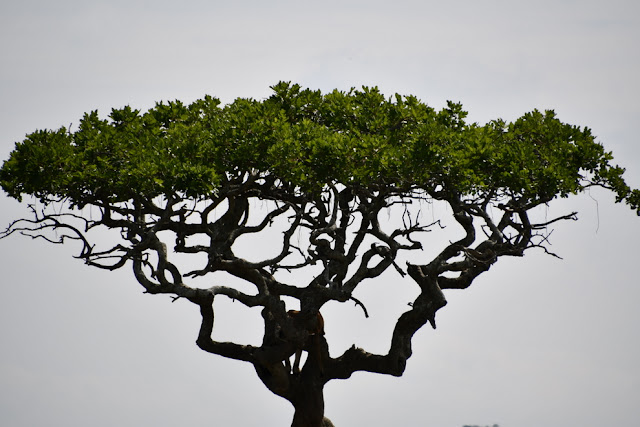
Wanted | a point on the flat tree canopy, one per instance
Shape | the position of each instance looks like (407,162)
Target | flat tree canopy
(323,170)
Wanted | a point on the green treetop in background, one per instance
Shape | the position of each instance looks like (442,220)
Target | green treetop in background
(324,167)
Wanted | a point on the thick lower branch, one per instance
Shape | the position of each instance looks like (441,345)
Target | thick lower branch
(225,349)
(424,308)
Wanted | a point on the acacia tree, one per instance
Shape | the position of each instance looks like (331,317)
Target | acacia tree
(192,180)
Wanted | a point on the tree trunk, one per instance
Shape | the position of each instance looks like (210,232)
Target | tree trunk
(309,409)
(306,392)
(309,405)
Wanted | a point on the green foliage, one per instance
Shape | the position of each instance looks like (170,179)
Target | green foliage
(307,140)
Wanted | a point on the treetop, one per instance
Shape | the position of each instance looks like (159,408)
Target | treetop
(305,140)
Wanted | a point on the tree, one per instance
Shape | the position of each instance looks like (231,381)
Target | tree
(320,172)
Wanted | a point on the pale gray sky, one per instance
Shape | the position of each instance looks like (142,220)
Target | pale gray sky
(554,347)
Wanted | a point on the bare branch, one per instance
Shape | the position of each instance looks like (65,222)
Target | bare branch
(225,349)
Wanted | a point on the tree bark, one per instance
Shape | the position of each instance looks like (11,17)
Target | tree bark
(308,404)
(307,388)
(326,422)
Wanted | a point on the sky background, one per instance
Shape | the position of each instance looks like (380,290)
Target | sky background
(535,342)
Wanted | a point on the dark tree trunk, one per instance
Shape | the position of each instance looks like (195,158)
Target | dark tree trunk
(303,388)
(306,393)
(308,403)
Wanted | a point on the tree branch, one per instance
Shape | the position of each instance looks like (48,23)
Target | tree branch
(225,349)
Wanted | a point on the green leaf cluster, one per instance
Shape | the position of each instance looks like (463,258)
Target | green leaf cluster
(307,140)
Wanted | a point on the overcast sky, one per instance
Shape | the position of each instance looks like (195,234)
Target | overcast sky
(534,342)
